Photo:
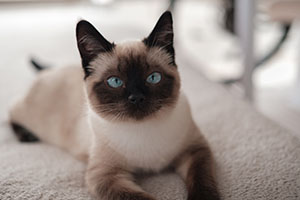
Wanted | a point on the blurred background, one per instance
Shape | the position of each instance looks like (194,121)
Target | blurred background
(250,47)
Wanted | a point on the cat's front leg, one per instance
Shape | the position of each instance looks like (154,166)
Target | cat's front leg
(113,183)
(195,167)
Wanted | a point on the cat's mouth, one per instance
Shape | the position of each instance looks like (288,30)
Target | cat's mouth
(125,110)
(128,111)
(141,111)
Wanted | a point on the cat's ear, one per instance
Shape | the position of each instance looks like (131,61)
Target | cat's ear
(162,35)
(90,43)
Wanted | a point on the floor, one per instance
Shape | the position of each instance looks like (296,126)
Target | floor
(277,82)
(37,30)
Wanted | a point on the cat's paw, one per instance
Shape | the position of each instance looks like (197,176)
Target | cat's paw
(135,196)
(208,196)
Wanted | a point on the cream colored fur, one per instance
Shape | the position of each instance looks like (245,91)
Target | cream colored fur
(54,109)
(151,144)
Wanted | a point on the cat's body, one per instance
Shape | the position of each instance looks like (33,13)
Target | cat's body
(118,118)
(54,110)
(67,122)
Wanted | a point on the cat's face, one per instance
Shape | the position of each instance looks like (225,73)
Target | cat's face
(132,80)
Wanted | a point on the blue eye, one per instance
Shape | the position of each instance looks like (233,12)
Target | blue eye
(114,82)
(154,78)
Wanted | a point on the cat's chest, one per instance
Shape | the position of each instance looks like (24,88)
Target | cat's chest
(149,145)
(149,148)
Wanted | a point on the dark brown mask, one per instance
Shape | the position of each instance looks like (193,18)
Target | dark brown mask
(132,80)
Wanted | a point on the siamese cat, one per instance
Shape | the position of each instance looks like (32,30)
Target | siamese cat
(123,113)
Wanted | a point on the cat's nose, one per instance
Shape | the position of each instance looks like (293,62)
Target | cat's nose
(136,98)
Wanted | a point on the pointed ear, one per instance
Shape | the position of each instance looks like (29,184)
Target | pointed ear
(90,43)
(162,35)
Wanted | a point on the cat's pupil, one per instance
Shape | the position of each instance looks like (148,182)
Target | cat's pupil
(154,78)
(114,82)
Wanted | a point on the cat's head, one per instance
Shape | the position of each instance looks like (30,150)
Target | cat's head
(131,80)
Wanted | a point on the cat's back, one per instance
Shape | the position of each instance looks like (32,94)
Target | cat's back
(54,105)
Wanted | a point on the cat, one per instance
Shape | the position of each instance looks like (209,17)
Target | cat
(121,113)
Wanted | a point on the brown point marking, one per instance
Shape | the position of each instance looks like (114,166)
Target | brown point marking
(133,68)
(198,172)
(114,184)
